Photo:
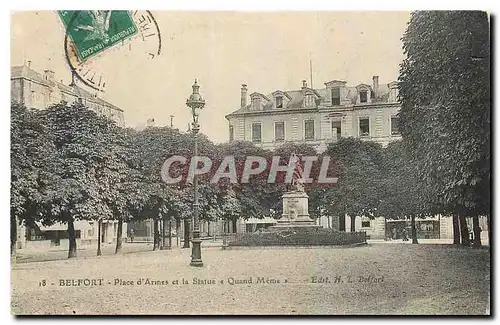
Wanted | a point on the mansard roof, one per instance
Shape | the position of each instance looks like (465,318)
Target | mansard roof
(296,97)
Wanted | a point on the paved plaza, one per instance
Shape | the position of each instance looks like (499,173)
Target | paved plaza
(373,279)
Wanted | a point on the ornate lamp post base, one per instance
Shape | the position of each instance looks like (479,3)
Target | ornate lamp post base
(196,251)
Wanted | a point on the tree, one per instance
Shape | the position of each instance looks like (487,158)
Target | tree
(403,195)
(30,153)
(128,189)
(358,194)
(255,198)
(444,89)
(81,141)
(157,144)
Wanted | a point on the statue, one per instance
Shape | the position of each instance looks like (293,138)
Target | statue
(297,176)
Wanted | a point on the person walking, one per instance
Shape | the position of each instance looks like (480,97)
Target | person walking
(131,235)
(404,234)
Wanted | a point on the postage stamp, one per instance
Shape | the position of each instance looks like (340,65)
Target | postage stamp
(92,37)
(94,31)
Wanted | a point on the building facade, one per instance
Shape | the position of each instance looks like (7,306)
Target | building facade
(435,227)
(86,233)
(40,90)
(318,116)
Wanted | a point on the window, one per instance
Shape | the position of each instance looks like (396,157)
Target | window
(231,133)
(365,224)
(256,103)
(279,131)
(394,125)
(364,127)
(393,95)
(256,132)
(309,101)
(335,96)
(363,96)
(279,102)
(309,130)
(336,129)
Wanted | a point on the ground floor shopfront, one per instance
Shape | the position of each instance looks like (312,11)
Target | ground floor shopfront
(437,227)
(86,233)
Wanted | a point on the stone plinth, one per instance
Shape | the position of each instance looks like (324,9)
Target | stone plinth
(295,212)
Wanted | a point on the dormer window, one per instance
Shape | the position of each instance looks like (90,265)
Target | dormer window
(309,100)
(363,96)
(393,92)
(279,101)
(281,98)
(336,96)
(231,133)
(256,103)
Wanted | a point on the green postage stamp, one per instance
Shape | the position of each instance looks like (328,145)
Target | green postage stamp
(94,31)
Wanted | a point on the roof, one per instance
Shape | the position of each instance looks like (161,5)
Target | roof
(28,73)
(296,97)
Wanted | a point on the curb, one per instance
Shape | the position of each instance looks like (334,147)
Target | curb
(294,246)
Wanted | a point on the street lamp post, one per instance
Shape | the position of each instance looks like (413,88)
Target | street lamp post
(196,103)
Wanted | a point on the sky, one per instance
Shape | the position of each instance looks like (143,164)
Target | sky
(222,50)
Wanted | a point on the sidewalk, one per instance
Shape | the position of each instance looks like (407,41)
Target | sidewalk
(443,241)
(61,253)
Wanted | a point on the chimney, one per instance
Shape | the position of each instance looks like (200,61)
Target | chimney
(243,95)
(150,122)
(49,75)
(375,85)
(304,84)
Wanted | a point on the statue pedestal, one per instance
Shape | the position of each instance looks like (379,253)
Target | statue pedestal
(295,212)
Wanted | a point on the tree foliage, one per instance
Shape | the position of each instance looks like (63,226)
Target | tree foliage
(444,88)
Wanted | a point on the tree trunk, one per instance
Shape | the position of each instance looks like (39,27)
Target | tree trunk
(489,229)
(156,239)
(235,229)
(386,235)
(414,239)
(72,238)
(342,222)
(119,233)
(353,224)
(170,233)
(186,233)
(456,230)
(177,234)
(164,233)
(99,230)
(464,230)
(477,232)
(13,235)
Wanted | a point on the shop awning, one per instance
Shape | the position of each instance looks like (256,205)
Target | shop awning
(79,225)
(263,220)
